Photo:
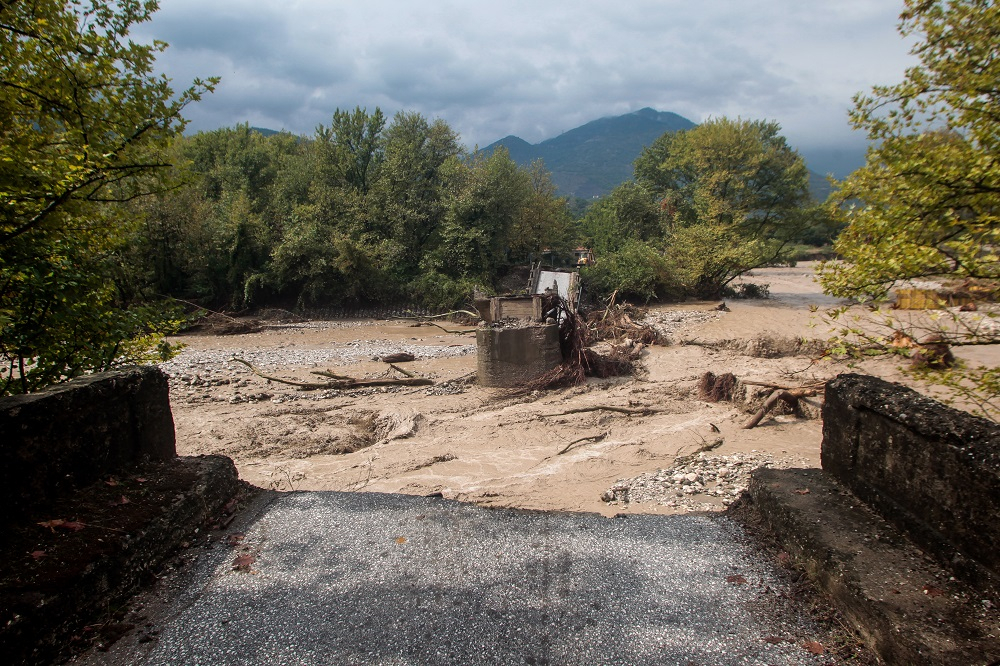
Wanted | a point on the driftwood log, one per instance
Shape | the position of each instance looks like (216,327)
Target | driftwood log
(642,411)
(460,331)
(399,357)
(588,438)
(424,318)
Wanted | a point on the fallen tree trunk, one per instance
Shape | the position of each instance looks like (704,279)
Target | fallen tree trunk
(359,383)
(423,318)
(817,385)
(339,384)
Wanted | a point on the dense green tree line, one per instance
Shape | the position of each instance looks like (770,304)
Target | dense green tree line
(363,211)
(369,210)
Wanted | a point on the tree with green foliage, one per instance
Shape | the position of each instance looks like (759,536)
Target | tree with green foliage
(354,144)
(544,222)
(629,213)
(337,245)
(251,184)
(927,202)
(486,197)
(625,231)
(362,212)
(84,120)
(635,270)
(733,196)
(410,190)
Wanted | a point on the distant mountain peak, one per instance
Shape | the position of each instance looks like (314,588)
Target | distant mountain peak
(660,116)
(511,140)
(594,158)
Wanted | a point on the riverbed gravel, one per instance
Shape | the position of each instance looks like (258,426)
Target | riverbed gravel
(670,324)
(215,361)
(695,483)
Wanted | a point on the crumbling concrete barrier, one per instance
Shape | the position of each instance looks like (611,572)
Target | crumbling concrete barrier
(68,436)
(931,470)
(509,357)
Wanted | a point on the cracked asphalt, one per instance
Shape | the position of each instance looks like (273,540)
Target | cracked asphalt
(370,578)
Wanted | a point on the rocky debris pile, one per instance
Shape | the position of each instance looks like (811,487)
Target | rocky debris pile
(695,483)
(452,386)
(194,371)
(259,396)
(668,324)
(983,321)
(188,380)
(510,322)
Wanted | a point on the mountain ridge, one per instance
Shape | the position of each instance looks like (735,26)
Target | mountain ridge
(591,160)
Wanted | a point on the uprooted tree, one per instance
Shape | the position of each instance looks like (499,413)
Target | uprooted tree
(84,121)
(927,202)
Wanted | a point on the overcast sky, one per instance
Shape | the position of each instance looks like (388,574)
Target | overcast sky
(532,68)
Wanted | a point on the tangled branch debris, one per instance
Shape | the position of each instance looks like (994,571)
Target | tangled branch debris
(579,361)
(217,323)
(718,388)
(619,321)
(401,371)
(704,448)
(790,397)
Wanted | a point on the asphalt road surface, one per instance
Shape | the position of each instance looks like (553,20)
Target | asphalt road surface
(369,578)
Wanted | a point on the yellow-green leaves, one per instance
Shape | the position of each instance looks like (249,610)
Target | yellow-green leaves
(731,195)
(84,121)
(927,202)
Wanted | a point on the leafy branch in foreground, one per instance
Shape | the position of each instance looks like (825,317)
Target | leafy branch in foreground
(926,205)
(84,126)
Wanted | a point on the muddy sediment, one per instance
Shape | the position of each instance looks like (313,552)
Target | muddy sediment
(468,442)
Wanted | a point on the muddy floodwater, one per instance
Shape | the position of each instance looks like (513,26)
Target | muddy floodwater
(465,442)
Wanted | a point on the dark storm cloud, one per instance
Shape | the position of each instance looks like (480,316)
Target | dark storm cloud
(532,69)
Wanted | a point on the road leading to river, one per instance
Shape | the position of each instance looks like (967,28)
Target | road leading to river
(372,578)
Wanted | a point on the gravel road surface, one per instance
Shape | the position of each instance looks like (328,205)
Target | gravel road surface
(370,578)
